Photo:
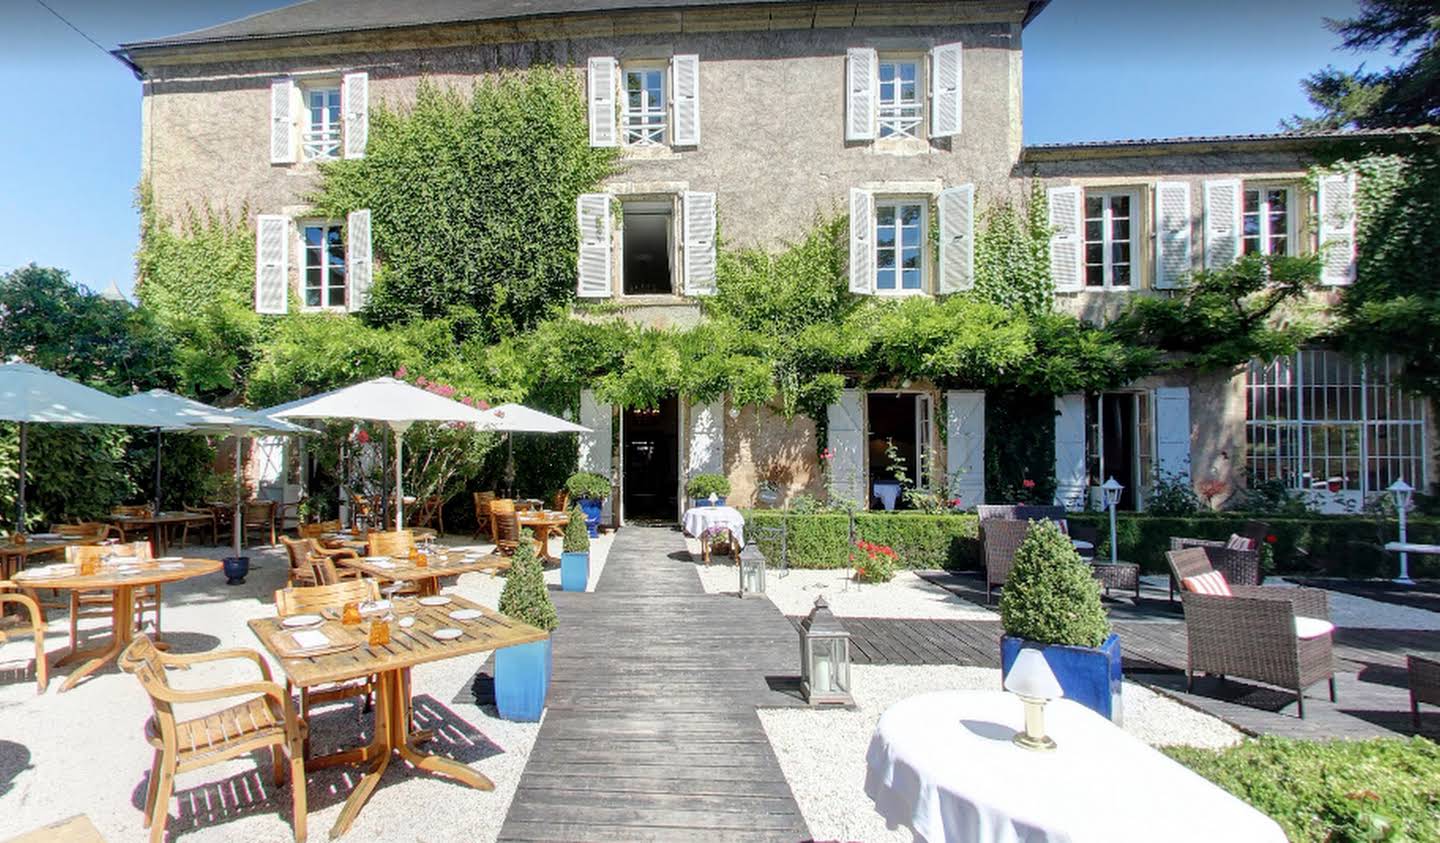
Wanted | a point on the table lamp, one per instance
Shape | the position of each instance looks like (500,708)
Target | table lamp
(1031,679)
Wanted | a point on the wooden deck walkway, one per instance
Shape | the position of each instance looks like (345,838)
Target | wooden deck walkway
(651,731)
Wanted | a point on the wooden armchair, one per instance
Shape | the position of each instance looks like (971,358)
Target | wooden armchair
(430,510)
(93,532)
(93,604)
(1240,567)
(482,512)
(258,515)
(143,510)
(999,540)
(212,524)
(9,594)
(266,718)
(394,543)
(504,528)
(298,601)
(301,550)
(317,529)
(1280,636)
(562,501)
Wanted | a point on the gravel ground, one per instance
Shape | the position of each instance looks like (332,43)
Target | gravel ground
(83,751)
(1351,610)
(823,752)
(906,596)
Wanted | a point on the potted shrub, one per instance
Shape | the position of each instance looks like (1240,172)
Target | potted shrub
(575,555)
(708,489)
(522,672)
(590,490)
(1051,602)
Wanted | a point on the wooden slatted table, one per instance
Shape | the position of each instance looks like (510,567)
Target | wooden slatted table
(14,556)
(352,657)
(541,523)
(427,579)
(155,525)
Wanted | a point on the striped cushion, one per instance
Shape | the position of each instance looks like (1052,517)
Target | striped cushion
(1210,582)
(1239,543)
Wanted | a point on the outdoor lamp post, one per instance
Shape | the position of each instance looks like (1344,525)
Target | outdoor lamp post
(1112,490)
(752,571)
(1401,492)
(1032,680)
(824,657)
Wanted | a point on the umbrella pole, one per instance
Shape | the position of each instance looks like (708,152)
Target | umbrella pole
(157,470)
(239,495)
(20,501)
(509,464)
(399,428)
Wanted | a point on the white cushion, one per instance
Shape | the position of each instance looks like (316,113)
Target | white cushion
(1239,543)
(1210,582)
(1307,628)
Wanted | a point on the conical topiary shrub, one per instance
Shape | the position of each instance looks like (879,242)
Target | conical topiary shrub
(1051,597)
(575,560)
(577,538)
(522,672)
(525,597)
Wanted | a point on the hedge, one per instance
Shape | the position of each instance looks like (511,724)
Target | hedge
(822,541)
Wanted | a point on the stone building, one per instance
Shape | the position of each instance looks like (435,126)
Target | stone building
(904,114)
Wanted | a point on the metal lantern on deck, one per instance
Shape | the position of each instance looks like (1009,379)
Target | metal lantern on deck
(824,658)
(752,571)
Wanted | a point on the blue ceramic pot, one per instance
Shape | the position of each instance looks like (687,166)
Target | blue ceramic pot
(1090,676)
(574,570)
(592,509)
(236,567)
(522,679)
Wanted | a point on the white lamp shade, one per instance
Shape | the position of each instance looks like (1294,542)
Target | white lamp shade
(1112,489)
(1030,676)
(1401,490)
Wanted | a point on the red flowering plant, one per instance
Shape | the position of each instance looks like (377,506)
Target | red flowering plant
(1267,552)
(877,564)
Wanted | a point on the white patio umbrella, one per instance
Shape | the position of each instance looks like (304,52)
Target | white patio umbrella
(393,402)
(517,418)
(32,395)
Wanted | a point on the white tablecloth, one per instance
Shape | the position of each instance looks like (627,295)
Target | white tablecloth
(944,765)
(698,519)
(888,492)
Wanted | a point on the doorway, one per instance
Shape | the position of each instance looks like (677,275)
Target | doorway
(902,419)
(646,247)
(650,449)
(1119,442)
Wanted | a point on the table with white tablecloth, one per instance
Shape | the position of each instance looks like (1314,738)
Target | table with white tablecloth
(699,520)
(944,765)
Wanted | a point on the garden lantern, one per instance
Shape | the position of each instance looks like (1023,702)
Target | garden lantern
(824,657)
(1032,680)
(1112,490)
(1402,491)
(752,571)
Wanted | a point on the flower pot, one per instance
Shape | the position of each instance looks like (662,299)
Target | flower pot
(1089,675)
(719,501)
(522,678)
(574,570)
(592,508)
(236,567)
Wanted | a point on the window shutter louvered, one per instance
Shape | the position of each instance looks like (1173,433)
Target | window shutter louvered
(706,451)
(596,447)
(862,242)
(862,81)
(957,238)
(1336,204)
(699,217)
(1222,222)
(965,446)
(846,440)
(592,212)
(1172,433)
(1067,226)
(356,94)
(272,248)
(1172,234)
(1070,475)
(282,128)
(946,73)
(600,86)
(685,99)
(358,266)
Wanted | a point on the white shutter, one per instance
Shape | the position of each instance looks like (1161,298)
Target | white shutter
(685,99)
(699,216)
(1172,234)
(945,93)
(706,452)
(358,266)
(600,87)
(1070,475)
(356,103)
(595,446)
(1067,246)
(1337,228)
(965,446)
(957,238)
(1222,222)
(1172,432)
(272,249)
(862,90)
(282,127)
(862,242)
(592,215)
(847,446)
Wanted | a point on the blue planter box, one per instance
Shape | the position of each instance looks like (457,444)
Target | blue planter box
(522,679)
(1089,675)
(592,509)
(719,501)
(574,571)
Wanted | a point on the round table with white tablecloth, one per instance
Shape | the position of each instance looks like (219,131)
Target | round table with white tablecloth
(944,765)
(699,520)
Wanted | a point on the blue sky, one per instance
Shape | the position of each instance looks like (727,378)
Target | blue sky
(1094,70)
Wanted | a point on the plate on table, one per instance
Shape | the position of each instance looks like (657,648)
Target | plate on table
(407,622)
(171,566)
(122,560)
(127,572)
(45,537)
(301,621)
(171,559)
(437,600)
(371,607)
(466,614)
(447,634)
(41,573)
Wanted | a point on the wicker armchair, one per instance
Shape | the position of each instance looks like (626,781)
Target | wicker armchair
(1240,567)
(1019,512)
(1252,634)
(999,539)
(482,512)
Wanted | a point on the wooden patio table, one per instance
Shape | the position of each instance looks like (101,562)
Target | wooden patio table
(122,613)
(358,543)
(14,556)
(156,524)
(541,523)
(352,657)
(426,579)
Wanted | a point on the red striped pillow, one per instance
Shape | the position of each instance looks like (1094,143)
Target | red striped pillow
(1211,582)
(1239,543)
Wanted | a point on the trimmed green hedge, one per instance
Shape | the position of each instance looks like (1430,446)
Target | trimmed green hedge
(1334,545)
(922,541)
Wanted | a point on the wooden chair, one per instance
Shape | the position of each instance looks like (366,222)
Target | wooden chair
(99,604)
(259,515)
(315,599)
(504,528)
(300,551)
(93,532)
(393,543)
(431,510)
(213,524)
(482,512)
(562,501)
(143,510)
(265,719)
(9,594)
(323,570)
(362,511)
(317,529)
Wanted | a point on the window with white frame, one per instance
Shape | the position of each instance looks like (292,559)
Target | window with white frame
(320,135)
(1268,222)
(901,106)
(324,265)
(1321,420)
(645,108)
(1110,222)
(900,246)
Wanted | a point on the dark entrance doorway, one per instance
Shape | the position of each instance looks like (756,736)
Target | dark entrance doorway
(901,419)
(1119,422)
(651,450)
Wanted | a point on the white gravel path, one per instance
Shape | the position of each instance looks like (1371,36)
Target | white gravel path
(83,751)
(822,753)
(906,596)
(1351,610)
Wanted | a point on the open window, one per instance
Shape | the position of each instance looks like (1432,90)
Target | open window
(648,246)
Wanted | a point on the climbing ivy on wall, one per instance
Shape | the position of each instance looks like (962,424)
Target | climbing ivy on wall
(1012,254)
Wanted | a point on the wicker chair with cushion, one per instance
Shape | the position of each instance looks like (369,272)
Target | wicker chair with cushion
(999,541)
(300,551)
(504,528)
(1279,636)
(297,601)
(482,512)
(1240,567)
(99,604)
